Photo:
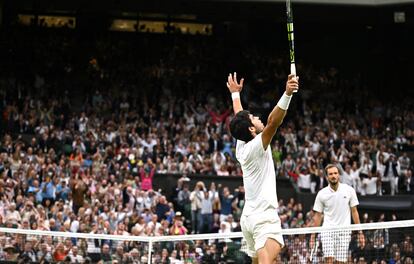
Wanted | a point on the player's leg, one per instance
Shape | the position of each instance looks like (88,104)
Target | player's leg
(327,239)
(267,236)
(342,246)
(248,237)
(268,254)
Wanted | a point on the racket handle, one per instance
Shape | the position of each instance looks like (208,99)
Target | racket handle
(293,71)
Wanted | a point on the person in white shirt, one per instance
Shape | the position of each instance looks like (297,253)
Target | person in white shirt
(355,177)
(259,222)
(381,152)
(195,197)
(346,176)
(366,167)
(369,185)
(154,224)
(304,180)
(337,202)
(12,215)
(405,163)
(75,257)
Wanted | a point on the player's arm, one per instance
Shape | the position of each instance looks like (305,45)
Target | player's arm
(317,218)
(318,208)
(235,89)
(355,215)
(353,202)
(275,118)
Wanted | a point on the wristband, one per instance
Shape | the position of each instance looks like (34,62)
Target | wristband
(235,95)
(284,101)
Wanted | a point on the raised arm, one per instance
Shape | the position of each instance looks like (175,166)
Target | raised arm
(275,118)
(235,89)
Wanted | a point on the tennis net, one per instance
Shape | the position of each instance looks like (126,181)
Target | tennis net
(385,242)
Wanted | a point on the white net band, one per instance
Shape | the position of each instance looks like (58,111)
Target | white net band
(292,231)
(363,243)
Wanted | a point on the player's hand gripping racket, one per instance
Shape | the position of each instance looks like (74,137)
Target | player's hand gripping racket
(291,38)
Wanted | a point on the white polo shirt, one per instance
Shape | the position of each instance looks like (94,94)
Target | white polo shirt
(259,177)
(336,205)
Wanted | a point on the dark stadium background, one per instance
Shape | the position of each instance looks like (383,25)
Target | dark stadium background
(365,38)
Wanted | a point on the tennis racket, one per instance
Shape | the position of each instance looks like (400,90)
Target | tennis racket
(314,251)
(289,15)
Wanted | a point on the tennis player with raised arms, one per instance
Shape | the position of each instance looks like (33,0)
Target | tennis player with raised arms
(337,202)
(260,222)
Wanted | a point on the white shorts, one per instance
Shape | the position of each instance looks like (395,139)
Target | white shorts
(257,228)
(336,245)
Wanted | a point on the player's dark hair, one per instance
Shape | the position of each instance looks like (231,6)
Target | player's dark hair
(330,166)
(239,126)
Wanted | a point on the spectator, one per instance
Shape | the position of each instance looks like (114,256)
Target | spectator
(207,212)
(196,197)
(119,255)
(226,201)
(346,176)
(44,254)
(60,253)
(154,224)
(28,255)
(391,173)
(369,185)
(106,257)
(362,250)
(288,167)
(183,201)
(408,182)
(318,180)
(304,180)
(185,167)
(79,190)
(147,174)
(75,257)
(12,215)
(405,163)
(162,208)
(177,226)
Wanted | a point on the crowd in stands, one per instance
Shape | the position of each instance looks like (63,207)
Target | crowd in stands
(84,161)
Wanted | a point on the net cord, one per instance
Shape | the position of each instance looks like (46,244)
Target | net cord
(291,231)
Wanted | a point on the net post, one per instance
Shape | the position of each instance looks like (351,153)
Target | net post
(149,251)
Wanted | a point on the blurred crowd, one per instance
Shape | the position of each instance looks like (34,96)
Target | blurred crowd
(86,124)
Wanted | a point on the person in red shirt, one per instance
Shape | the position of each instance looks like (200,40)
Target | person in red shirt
(60,253)
(147,173)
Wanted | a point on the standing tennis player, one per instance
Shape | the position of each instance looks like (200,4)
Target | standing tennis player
(337,201)
(260,222)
